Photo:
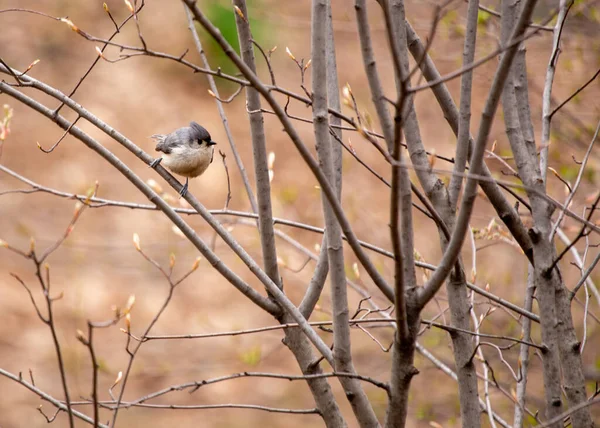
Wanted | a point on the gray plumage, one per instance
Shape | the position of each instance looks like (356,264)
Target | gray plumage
(187,151)
(187,135)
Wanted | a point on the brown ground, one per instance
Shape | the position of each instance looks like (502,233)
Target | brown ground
(98,267)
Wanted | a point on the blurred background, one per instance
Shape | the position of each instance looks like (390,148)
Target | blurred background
(98,267)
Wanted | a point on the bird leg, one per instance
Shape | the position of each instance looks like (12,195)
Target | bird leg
(184,189)
(155,162)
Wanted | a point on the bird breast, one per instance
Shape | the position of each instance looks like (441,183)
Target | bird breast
(188,162)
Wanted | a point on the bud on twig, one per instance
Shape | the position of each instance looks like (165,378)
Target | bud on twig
(351,146)
(33,64)
(117,380)
(70,24)
(355,270)
(129,5)
(196,263)
(154,186)
(270,163)
(347,92)
(78,207)
(432,158)
(5,122)
(362,132)
(290,54)
(81,337)
(347,96)
(169,198)
(177,231)
(240,14)
(136,242)
(130,302)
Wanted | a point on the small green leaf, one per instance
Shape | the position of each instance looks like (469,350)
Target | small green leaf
(252,356)
(483,17)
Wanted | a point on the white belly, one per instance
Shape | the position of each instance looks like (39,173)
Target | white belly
(188,162)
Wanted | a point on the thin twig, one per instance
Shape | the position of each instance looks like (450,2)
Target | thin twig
(581,88)
(228,181)
(46,397)
(106,203)
(214,89)
(577,182)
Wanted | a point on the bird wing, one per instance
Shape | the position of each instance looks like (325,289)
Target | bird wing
(165,143)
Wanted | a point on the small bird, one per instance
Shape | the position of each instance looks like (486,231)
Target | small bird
(187,151)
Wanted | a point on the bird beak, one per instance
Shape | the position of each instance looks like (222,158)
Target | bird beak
(211,143)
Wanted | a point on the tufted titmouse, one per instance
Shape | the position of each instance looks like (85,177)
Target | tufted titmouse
(187,151)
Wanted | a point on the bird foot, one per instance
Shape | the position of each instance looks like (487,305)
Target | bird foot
(183,190)
(155,162)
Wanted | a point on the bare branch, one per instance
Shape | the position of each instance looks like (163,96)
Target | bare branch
(560,418)
(228,181)
(506,48)
(153,197)
(215,91)
(584,276)
(55,145)
(492,190)
(342,353)
(46,397)
(524,360)
(546,97)
(455,243)
(466,85)
(577,182)
(304,152)
(104,203)
(259,150)
(498,15)
(581,88)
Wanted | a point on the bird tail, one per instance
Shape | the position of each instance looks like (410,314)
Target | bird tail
(160,139)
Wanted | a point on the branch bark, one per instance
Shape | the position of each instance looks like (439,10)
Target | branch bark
(558,334)
(253,295)
(317,281)
(466,86)
(259,150)
(463,346)
(341,328)
(476,161)
(519,417)
(215,90)
(503,208)
(303,150)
